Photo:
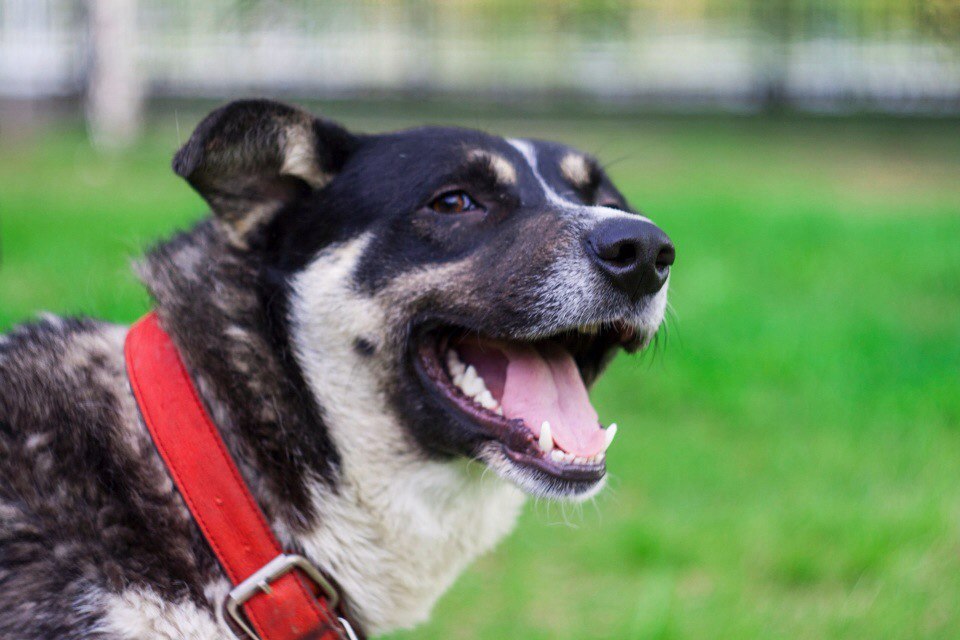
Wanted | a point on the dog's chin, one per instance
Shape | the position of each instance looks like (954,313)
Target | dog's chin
(541,478)
(528,380)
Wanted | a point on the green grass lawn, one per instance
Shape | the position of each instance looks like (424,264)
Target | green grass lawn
(788,464)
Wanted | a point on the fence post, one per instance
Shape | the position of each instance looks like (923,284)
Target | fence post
(114,95)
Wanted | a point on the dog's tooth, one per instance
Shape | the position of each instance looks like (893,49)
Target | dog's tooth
(481,387)
(546,438)
(470,380)
(499,411)
(478,389)
(486,400)
(454,365)
(599,457)
(611,434)
(569,458)
(556,455)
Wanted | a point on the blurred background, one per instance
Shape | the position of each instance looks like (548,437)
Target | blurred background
(789,457)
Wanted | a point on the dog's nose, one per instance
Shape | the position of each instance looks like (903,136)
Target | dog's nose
(635,254)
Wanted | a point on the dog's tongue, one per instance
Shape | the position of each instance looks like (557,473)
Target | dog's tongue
(539,384)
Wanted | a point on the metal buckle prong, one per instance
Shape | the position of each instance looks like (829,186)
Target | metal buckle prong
(260,581)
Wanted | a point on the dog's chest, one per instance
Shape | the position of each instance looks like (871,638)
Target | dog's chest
(396,547)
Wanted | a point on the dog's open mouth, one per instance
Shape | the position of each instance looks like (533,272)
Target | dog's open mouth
(529,396)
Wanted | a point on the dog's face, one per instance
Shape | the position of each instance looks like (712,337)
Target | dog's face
(483,283)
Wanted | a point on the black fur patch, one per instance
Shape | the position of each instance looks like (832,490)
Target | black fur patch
(364,347)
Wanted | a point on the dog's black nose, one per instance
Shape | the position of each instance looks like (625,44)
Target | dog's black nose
(634,253)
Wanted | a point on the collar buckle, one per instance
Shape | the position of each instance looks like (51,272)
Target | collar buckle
(259,582)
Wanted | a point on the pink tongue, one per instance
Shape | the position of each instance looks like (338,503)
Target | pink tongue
(540,384)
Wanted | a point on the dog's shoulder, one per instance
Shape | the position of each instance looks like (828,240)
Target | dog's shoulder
(60,379)
(86,509)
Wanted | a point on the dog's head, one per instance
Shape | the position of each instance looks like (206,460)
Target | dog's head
(470,287)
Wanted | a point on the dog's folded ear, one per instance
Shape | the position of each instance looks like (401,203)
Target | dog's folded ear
(250,158)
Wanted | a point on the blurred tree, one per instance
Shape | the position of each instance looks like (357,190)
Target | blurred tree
(941,18)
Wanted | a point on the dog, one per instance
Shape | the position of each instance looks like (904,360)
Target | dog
(394,335)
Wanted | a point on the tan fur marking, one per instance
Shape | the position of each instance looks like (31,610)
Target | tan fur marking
(506,172)
(575,169)
(301,158)
(237,229)
(300,161)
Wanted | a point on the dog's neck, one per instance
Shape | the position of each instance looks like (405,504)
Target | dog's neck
(310,428)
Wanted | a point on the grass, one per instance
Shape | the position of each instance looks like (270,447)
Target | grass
(789,456)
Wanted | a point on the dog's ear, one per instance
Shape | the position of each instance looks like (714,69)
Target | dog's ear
(250,158)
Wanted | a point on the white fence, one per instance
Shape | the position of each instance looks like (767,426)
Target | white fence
(642,54)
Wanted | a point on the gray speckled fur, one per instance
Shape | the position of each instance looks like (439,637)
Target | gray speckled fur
(86,507)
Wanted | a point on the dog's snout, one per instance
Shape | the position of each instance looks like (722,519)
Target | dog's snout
(635,254)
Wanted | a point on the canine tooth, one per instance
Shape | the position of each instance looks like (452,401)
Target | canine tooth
(580,460)
(499,411)
(546,438)
(599,457)
(611,434)
(556,455)
(569,458)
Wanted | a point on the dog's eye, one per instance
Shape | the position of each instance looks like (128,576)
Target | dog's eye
(454,202)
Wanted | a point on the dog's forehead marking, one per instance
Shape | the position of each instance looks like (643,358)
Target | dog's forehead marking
(579,210)
(506,173)
(529,154)
(575,168)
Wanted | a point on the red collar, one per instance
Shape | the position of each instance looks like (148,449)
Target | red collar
(273,595)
